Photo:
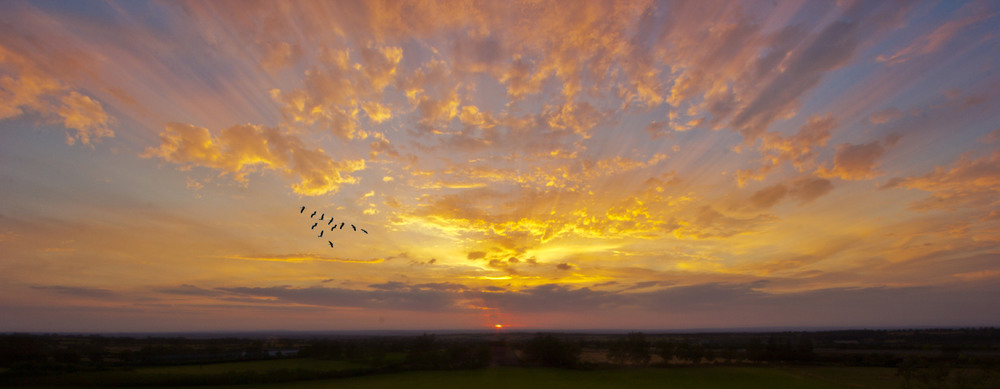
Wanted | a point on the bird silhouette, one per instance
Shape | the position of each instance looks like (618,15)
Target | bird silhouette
(303,209)
(313,214)
(355,228)
(341,225)
(333,228)
(331,220)
(331,243)
(320,234)
(363,230)
(322,216)
(314,226)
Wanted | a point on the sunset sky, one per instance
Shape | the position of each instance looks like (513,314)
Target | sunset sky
(561,165)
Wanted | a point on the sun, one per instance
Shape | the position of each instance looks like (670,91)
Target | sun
(498,326)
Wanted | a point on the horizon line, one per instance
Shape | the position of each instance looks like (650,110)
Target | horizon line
(479,331)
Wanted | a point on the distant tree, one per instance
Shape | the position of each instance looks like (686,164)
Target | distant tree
(377,351)
(690,352)
(469,355)
(638,349)
(128,357)
(804,350)
(323,349)
(665,350)
(67,355)
(20,348)
(632,349)
(548,350)
(618,351)
(756,350)
(708,354)
(95,354)
(729,354)
(255,349)
(424,353)
(423,344)
(355,352)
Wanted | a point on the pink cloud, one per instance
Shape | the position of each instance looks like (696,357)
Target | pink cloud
(885,115)
(941,36)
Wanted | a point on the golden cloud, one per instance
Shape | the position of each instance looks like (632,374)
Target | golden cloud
(506,229)
(25,86)
(377,112)
(332,94)
(240,150)
(300,257)
(968,182)
(710,223)
(800,149)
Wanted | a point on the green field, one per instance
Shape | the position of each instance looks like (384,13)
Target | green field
(679,378)
(249,366)
(279,370)
(541,378)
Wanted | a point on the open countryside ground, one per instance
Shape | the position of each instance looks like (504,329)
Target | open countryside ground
(680,378)
(249,366)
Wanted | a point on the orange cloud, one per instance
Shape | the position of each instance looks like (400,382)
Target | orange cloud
(967,183)
(807,189)
(543,173)
(800,150)
(377,112)
(579,118)
(277,55)
(710,223)
(332,94)
(434,112)
(804,189)
(472,116)
(855,162)
(240,150)
(991,137)
(768,197)
(25,86)
(297,258)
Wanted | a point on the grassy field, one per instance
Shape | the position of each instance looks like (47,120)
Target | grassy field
(679,378)
(248,366)
(278,370)
(854,377)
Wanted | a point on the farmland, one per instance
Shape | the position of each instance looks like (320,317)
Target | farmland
(507,377)
(966,358)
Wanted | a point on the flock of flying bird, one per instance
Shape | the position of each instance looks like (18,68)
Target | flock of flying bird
(330,222)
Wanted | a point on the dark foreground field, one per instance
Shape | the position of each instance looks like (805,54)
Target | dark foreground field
(633,378)
(906,359)
(680,378)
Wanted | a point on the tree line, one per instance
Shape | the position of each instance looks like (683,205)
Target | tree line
(923,357)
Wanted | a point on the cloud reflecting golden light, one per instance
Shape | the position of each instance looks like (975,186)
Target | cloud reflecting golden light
(672,163)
